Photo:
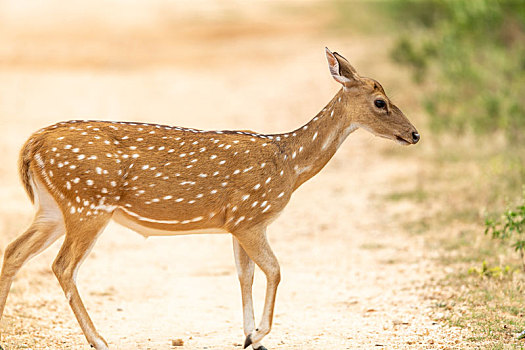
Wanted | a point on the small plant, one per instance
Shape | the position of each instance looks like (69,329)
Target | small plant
(510,227)
(493,272)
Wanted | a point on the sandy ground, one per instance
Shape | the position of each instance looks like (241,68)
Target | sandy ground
(352,278)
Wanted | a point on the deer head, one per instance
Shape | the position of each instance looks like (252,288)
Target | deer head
(370,106)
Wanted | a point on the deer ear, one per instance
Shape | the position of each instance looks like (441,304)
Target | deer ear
(342,71)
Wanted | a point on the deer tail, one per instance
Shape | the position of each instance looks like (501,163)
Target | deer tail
(24,163)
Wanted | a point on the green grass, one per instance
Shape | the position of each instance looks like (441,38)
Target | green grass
(373,246)
(417,195)
(491,307)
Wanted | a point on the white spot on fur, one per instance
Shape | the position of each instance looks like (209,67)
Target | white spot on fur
(239,220)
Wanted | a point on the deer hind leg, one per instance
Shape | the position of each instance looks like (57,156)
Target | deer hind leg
(47,227)
(255,245)
(80,238)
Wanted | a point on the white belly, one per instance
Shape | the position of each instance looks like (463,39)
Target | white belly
(149,231)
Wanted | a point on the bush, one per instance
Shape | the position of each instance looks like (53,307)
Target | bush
(511,226)
(472,56)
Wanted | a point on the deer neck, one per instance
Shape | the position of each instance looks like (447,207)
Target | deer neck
(310,147)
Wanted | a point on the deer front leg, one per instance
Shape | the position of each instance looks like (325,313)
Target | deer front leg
(245,270)
(76,247)
(256,246)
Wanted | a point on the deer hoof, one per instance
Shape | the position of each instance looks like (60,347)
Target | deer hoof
(248,341)
(1,348)
(261,348)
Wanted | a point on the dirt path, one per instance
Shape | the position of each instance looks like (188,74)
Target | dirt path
(352,277)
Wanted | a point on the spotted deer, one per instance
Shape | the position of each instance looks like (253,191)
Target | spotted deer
(165,180)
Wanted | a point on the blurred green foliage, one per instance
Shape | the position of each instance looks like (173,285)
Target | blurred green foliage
(471,55)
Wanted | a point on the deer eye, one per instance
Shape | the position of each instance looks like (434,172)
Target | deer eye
(380,103)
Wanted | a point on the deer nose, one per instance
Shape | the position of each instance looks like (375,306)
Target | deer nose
(415,137)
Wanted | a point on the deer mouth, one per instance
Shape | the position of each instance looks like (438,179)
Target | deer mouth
(402,141)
